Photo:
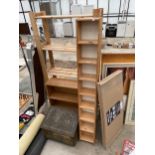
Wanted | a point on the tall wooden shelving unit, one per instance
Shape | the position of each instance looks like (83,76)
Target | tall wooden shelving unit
(69,88)
(60,87)
(89,36)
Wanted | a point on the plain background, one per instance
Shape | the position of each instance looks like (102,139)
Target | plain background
(145,77)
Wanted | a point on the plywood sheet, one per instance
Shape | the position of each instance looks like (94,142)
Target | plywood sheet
(110,93)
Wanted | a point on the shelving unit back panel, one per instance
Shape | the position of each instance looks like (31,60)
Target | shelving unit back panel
(88,69)
(88,84)
(88,98)
(88,51)
(86,28)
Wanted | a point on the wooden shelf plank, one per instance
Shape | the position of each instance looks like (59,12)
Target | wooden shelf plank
(62,73)
(87,137)
(87,61)
(62,16)
(87,127)
(64,83)
(58,48)
(87,117)
(88,19)
(88,77)
(87,105)
(64,97)
(87,92)
(91,42)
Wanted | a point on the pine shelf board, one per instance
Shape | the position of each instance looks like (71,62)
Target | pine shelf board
(87,127)
(63,16)
(64,83)
(87,77)
(88,138)
(89,42)
(87,117)
(63,73)
(67,97)
(87,61)
(88,19)
(87,105)
(58,48)
(87,92)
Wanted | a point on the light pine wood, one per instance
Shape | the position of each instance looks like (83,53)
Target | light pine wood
(87,77)
(67,97)
(87,61)
(62,73)
(58,48)
(88,127)
(61,16)
(87,92)
(38,43)
(64,83)
(87,105)
(89,42)
(98,12)
(85,136)
(51,58)
(87,117)
(47,38)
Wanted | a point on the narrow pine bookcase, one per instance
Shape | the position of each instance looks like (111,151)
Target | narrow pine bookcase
(89,36)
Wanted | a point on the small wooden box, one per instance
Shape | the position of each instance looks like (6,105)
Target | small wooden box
(61,124)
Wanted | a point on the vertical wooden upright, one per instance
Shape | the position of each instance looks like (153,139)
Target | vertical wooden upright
(39,44)
(89,36)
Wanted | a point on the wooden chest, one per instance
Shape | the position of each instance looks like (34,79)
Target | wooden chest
(61,124)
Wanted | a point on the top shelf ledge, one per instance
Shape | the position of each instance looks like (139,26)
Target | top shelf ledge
(63,16)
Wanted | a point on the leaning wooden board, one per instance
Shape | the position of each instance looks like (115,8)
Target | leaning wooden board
(110,94)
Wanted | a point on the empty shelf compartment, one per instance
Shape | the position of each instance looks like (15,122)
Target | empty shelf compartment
(88,77)
(88,105)
(87,136)
(87,117)
(87,92)
(72,84)
(67,97)
(87,127)
(90,61)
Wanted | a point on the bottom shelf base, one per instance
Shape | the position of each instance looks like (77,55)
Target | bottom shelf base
(87,137)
